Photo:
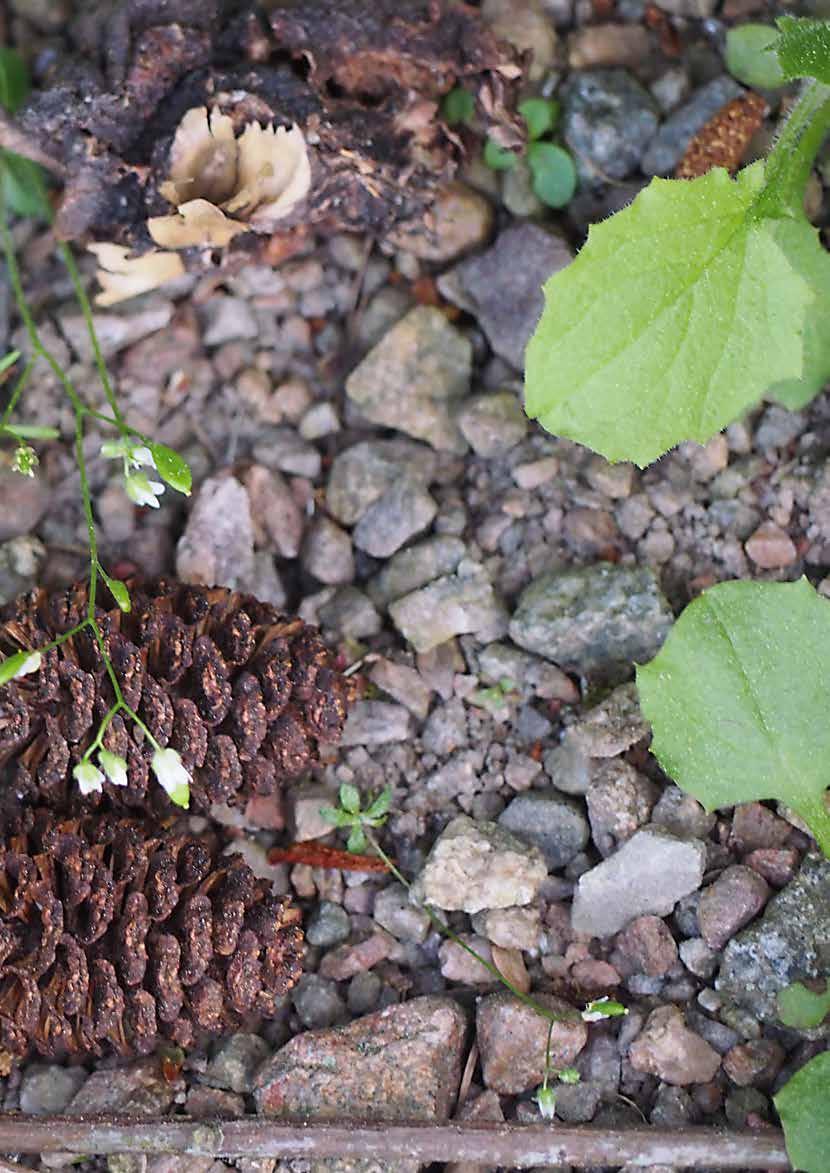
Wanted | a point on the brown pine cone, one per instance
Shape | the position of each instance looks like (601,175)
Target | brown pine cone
(112,939)
(243,693)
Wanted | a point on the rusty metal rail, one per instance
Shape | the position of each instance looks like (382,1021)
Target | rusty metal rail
(514,1145)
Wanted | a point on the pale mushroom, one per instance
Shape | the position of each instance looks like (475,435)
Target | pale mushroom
(122,276)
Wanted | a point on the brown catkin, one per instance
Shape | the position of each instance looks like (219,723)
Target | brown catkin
(113,938)
(244,694)
(723,141)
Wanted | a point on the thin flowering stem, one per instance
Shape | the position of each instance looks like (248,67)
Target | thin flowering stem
(19,388)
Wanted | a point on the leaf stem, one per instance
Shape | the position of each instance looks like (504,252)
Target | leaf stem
(790,162)
(816,814)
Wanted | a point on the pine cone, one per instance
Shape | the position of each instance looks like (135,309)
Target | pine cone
(112,938)
(243,693)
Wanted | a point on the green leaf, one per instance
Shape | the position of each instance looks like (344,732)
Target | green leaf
(751,58)
(119,592)
(356,841)
(24,189)
(172,468)
(32,431)
(18,665)
(540,114)
(14,80)
(350,798)
(797,393)
(553,174)
(663,328)
(802,1106)
(803,48)
(379,808)
(8,360)
(738,699)
(801,1008)
(336,817)
(457,106)
(498,158)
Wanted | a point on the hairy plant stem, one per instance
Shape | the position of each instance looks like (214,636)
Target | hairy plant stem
(444,929)
(81,411)
(791,159)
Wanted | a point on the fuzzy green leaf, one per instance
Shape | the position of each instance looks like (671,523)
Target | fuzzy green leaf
(802,1105)
(8,360)
(664,328)
(172,468)
(356,841)
(18,664)
(751,58)
(379,808)
(350,798)
(797,393)
(499,158)
(540,115)
(801,1008)
(738,699)
(24,189)
(803,48)
(457,106)
(32,431)
(553,175)
(336,817)
(14,79)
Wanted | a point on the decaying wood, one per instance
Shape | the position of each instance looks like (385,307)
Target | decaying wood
(516,1146)
(362,81)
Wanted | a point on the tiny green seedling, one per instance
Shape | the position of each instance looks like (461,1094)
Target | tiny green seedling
(349,814)
(552,172)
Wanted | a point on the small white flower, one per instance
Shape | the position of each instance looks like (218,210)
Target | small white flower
(546,1100)
(133,455)
(25,460)
(141,455)
(173,777)
(143,491)
(114,767)
(603,1008)
(88,777)
(30,664)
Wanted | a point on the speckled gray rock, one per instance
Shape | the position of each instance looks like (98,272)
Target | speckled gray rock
(396,913)
(789,943)
(612,726)
(21,560)
(649,874)
(217,546)
(317,1002)
(329,925)
(477,865)
(620,800)
(349,614)
(404,510)
(456,604)
(376,723)
(503,286)
(235,1061)
(23,501)
(608,121)
(667,147)
(419,564)
(138,1088)
(362,473)
(410,379)
(47,1088)
(493,424)
(554,823)
(327,553)
(401,1063)
(596,619)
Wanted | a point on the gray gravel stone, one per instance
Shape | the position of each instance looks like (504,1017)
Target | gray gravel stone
(512,1038)
(403,684)
(790,943)
(649,874)
(503,286)
(349,614)
(235,1061)
(478,865)
(276,516)
(226,320)
(410,379)
(317,1002)
(362,473)
(403,511)
(681,814)
(734,899)
(608,121)
(667,1048)
(283,450)
(217,546)
(410,569)
(510,928)
(395,912)
(47,1089)
(453,605)
(327,553)
(596,619)
(612,726)
(501,661)
(136,1089)
(23,501)
(376,723)
(666,148)
(493,424)
(21,560)
(554,823)
(329,925)
(620,800)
